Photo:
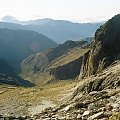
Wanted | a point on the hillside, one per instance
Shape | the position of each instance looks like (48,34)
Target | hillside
(16,45)
(54,63)
(58,30)
(8,76)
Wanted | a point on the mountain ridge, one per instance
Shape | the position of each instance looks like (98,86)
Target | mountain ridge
(58,30)
(53,63)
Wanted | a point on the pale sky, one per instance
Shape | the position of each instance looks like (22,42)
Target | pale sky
(74,10)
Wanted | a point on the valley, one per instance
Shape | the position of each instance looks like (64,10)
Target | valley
(75,80)
(19,101)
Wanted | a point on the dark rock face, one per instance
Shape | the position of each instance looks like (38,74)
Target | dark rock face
(68,71)
(105,49)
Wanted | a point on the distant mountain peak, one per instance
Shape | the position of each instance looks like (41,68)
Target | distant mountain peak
(9,18)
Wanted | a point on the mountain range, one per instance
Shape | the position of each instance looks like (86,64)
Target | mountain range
(58,30)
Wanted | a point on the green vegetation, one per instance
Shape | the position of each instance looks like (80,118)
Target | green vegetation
(115,116)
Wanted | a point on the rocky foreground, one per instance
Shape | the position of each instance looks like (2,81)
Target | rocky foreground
(87,102)
(88,105)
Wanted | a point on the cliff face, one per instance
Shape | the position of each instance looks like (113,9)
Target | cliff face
(105,49)
(68,71)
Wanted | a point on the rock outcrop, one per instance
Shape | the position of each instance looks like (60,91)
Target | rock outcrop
(67,71)
(105,49)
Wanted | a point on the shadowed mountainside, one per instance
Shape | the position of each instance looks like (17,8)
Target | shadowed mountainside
(16,45)
(8,76)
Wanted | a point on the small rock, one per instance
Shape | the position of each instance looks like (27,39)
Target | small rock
(79,116)
(96,116)
(104,119)
(67,108)
(87,102)
(112,99)
(107,114)
(86,113)
(115,110)
(93,93)
(115,105)
(109,107)
(102,109)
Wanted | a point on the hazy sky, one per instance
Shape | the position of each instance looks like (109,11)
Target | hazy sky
(75,10)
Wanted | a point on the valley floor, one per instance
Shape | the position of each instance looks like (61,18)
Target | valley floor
(21,101)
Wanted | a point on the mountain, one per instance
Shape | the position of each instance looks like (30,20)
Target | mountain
(106,48)
(62,62)
(58,30)
(91,86)
(16,45)
(9,19)
(8,76)
(36,22)
(96,95)
(9,25)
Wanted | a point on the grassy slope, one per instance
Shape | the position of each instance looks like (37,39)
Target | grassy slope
(70,56)
(45,77)
(17,100)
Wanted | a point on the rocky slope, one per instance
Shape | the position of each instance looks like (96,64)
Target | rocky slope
(8,76)
(105,50)
(62,62)
(99,104)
